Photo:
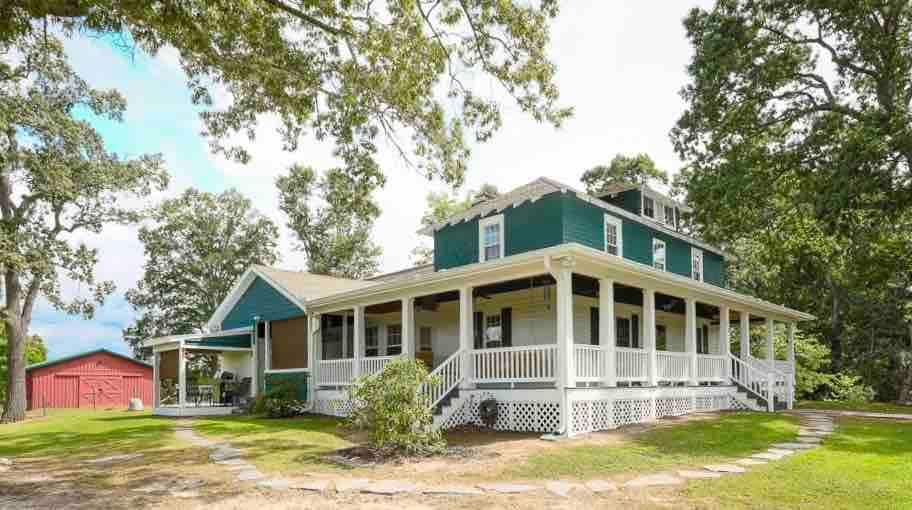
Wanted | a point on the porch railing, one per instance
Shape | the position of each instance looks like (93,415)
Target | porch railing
(590,361)
(631,364)
(536,363)
(336,372)
(711,367)
(375,365)
(673,366)
(450,374)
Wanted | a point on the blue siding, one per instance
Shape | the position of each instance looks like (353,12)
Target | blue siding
(260,300)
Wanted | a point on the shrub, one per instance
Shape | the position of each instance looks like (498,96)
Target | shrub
(849,388)
(389,406)
(279,402)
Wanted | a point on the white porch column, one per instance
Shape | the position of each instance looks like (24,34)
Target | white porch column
(566,369)
(745,336)
(771,363)
(690,339)
(408,328)
(345,353)
(358,343)
(607,341)
(724,332)
(649,336)
(790,357)
(466,334)
(181,376)
(313,327)
(156,382)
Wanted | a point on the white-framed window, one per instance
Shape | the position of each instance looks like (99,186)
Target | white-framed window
(492,330)
(491,238)
(658,254)
(371,341)
(670,215)
(696,264)
(613,235)
(649,207)
(394,339)
(424,339)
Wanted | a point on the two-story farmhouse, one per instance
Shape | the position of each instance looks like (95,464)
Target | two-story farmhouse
(574,312)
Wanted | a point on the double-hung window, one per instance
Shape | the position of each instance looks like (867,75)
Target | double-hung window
(696,264)
(394,340)
(622,333)
(493,331)
(649,207)
(670,216)
(613,235)
(658,254)
(491,238)
(371,342)
(703,339)
(424,339)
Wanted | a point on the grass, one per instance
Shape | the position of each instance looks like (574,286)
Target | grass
(873,407)
(865,464)
(288,446)
(83,433)
(692,443)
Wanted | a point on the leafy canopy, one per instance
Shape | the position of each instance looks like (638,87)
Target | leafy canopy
(639,169)
(332,215)
(196,246)
(346,71)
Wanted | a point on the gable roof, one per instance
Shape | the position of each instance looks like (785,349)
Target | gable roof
(297,286)
(84,354)
(545,186)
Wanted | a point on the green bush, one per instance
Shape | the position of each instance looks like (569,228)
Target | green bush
(389,406)
(279,402)
(849,388)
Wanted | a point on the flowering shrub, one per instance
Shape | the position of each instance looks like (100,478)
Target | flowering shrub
(396,415)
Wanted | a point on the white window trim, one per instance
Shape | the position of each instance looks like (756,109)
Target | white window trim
(388,336)
(656,241)
(619,226)
(498,220)
(643,197)
(694,252)
(673,214)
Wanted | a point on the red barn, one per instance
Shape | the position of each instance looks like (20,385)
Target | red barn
(98,378)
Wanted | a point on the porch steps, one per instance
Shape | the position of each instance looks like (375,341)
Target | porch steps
(447,406)
(754,402)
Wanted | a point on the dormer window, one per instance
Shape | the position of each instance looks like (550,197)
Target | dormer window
(649,207)
(613,235)
(670,216)
(491,238)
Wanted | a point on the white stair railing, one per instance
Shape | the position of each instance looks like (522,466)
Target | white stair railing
(336,372)
(749,377)
(450,374)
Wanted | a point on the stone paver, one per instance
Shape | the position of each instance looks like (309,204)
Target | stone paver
(452,490)
(390,487)
(809,439)
(350,484)
(6,461)
(750,462)
(600,486)
(692,474)
(185,494)
(242,467)
(781,451)
(275,483)
(506,488)
(232,462)
(312,485)
(794,446)
(249,475)
(114,458)
(724,468)
(653,480)
(767,456)
(560,488)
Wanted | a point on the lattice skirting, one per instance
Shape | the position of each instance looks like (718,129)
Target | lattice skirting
(333,407)
(516,416)
(605,414)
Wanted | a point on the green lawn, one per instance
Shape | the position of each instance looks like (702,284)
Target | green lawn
(668,445)
(865,464)
(83,433)
(286,446)
(873,407)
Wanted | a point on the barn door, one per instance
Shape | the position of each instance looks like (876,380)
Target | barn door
(100,391)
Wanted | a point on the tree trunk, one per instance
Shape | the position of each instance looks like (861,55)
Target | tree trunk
(835,333)
(15,390)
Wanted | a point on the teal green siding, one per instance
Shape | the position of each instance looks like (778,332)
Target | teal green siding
(260,300)
(533,225)
(714,269)
(561,218)
(297,380)
(631,200)
(222,341)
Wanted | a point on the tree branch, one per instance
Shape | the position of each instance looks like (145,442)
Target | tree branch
(301,15)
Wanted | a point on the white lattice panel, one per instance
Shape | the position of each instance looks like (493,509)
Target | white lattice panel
(591,416)
(627,411)
(674,406)
(736,404)
(333,407)
(516,416)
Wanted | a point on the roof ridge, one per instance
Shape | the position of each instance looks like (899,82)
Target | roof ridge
(71,357)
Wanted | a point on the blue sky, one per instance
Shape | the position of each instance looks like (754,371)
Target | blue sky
(620,64)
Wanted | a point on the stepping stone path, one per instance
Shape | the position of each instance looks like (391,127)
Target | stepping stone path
(812,432)
(114,458)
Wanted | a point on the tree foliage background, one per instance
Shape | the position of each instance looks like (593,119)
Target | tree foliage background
(441,206)
(798,144)
(35,352)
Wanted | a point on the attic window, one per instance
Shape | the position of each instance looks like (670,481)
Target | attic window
(491,238)
(670,216)
(648,207)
